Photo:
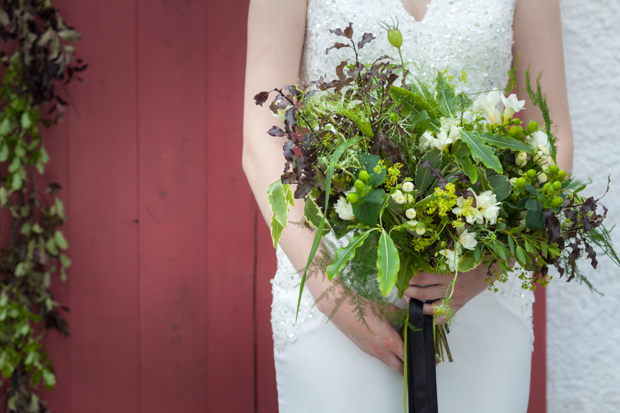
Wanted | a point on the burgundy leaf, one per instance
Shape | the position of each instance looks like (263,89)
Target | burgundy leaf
(336,46)
(276,131)
(340,70)
(287,178)
(337,32)
(304,186)
(591,254)
(366,38)
(552,224)
(293,90)
(261,98)
(290,118)
(348,32)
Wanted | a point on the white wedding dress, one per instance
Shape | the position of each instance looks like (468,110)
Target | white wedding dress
(318,369)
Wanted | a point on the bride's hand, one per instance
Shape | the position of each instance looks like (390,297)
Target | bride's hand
(430,287)
(383,342)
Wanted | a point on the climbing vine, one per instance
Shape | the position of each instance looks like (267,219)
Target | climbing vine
(36,58)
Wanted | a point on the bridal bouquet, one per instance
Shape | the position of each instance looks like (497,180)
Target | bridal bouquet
(421,177)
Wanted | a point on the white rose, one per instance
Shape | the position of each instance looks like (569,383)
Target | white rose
(344,209)
(488,206)
(408,186)
(410,213)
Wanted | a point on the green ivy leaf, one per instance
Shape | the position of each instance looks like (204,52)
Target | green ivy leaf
(6,127)
(16,182)
(65,261)
(388,263)
(61,242)
(50,246)
(4,196)
(26,121)
(345,254)
(49,379)
(481,151)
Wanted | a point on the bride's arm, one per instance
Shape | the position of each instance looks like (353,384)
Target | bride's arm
(538,41)
(276,30)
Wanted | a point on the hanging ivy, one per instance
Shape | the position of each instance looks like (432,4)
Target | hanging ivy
(36,57)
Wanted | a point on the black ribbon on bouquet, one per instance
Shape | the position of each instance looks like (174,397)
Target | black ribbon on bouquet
(421,377)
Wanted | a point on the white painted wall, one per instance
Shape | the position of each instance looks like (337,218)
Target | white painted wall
(583,338)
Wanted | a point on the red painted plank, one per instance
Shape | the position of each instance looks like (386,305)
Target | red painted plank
(230,212)
(103,211)
(538,387)
(171,77)
(265,270)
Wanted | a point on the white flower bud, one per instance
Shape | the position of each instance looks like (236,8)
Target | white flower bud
(420,231)
(408,186)
(400,199)
(410,213)
(542,177)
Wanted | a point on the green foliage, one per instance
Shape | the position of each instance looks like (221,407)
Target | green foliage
(345,254)
(388,263)
(34,49)
(481,151)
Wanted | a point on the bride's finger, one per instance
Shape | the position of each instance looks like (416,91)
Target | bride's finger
(394,362)
(430,293)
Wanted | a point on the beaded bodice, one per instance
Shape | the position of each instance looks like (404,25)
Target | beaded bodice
(474,36)
(458,35)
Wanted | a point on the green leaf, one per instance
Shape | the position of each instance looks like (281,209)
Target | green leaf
(276,231)
(16,182)
(345,254)
(368,212)
(26,121)
(15,164)
(463,156)
(481,151)
(65,261)
(50,245)
(61,242)
(279,202)
(4,152)
(449,102)
(423,176)
(468,261)
(313,215)
(4,196)
(543,247)
(49,379)
(521,255)
(501,186)
(484,181)
(406,271)
(319,233)
(388,263)
(368,163)
(421,122)
(20,269)
(511,244)
(535,216)
(412,103)
(504,142)
(6,127)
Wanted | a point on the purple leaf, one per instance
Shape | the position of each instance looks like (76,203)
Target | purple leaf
(261,98)
(336,46)
(366,38)
(276,131)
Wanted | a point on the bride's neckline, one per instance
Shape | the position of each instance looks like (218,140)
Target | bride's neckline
(411,16)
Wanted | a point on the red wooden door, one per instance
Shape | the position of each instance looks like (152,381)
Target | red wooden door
(169,291)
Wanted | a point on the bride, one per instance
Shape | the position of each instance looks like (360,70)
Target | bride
(339,366)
